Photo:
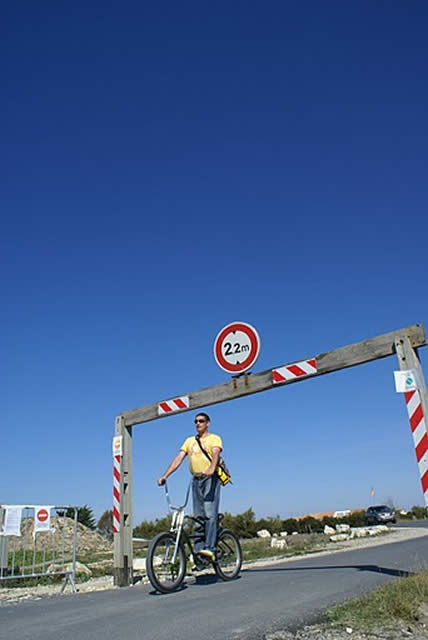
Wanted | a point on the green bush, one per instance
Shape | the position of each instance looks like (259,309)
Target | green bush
(243,524)
(310,524)
(420,513)
(272,524)
(290,525)
(105,524)
(85,516)
(149,529)
(356,519)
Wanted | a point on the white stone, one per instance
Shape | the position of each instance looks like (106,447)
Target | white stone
(139,564)
(263,533)
(283,534)
(278,543)
(339,537)
(382,527)
(359,532)
(343,528)
(329,531)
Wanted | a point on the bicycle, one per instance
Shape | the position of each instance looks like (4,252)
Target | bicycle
(169,551)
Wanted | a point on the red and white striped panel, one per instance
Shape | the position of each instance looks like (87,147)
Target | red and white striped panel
(296,370)
(116,494)
(170,406)
(420,438)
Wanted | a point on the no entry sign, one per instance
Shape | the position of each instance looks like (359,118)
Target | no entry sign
(42,515)
(42,519)
(237,347)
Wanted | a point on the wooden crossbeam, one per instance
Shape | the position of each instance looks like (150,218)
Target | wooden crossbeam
(342,358)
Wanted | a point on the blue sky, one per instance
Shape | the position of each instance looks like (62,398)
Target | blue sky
(167,170)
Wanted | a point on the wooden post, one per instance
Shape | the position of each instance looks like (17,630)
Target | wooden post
(123,551)
(417,407)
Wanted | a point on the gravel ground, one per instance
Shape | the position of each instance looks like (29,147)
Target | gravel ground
(313,632)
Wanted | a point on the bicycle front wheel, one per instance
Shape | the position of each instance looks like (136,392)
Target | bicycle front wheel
(229,555)
(165,573)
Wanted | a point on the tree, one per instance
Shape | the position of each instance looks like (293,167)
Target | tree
(85,516)
(309,524)
(290,525)
(356,519)
(105,524)
(243,524)
(148,529)
(419,513)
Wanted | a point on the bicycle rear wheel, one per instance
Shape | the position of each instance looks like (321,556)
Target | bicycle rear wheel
(229,555)
(164,574)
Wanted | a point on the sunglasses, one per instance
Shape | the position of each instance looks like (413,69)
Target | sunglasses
(199,420)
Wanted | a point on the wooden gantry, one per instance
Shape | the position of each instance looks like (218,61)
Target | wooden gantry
(402,342)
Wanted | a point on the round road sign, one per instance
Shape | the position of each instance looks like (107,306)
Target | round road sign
(237,347)
(42,515)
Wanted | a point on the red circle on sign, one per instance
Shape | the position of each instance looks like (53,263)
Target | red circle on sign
(42,515)
(253,354)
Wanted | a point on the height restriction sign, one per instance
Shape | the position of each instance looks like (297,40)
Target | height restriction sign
(237,347)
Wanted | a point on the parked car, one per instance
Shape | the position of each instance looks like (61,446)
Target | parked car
(380,514)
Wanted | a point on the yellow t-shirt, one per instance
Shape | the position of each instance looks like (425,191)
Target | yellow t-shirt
(198,461)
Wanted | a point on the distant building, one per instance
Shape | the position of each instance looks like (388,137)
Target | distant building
(317,516)
(329,514)
(342,514)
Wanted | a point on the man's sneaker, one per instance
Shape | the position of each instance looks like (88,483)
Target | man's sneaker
(207,553)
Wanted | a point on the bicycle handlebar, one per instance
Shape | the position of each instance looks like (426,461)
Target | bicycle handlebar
(174,507)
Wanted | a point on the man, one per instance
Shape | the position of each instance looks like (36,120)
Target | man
(205,484)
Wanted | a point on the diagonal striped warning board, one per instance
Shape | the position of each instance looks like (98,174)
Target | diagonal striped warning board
(296,370)
(117,457)
(174,405)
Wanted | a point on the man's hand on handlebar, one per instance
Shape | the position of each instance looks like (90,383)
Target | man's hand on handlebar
(161,481)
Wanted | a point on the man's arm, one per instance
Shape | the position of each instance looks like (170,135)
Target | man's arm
(173,466)
(214,462)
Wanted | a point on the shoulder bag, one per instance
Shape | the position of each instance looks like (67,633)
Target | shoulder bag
(221,470)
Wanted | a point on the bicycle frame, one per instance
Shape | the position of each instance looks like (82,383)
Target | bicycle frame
(178,516)
(177,523)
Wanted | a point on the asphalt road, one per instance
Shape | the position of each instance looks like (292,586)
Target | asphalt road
(413,524)
(284,595)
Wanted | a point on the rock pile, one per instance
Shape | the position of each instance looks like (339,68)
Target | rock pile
(339,533)
(87,539)
(344,532)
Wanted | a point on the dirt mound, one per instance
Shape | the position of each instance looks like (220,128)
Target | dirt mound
(62,532)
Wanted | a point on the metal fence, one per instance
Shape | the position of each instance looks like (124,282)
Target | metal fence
(38,541)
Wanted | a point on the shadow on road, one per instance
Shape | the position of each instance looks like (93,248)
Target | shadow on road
(206,579)
(210,579)
(183,587)
(399,573)
(200,581)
